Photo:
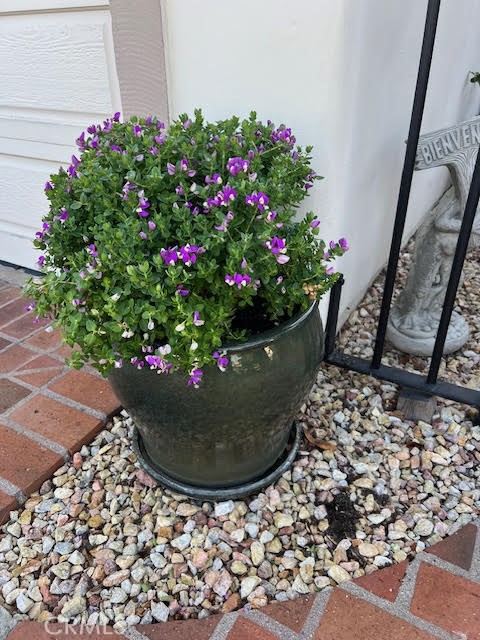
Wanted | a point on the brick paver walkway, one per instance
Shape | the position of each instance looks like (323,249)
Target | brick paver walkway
(48,411)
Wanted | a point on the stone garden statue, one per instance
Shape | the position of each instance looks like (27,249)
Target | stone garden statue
(415,316)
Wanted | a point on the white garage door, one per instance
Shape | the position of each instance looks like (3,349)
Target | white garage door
(57,76)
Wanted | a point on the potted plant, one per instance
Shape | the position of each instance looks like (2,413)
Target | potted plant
(173,263)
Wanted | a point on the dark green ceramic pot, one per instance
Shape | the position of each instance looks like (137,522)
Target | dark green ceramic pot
(230,436)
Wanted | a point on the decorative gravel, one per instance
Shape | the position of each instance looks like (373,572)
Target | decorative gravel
(102,544)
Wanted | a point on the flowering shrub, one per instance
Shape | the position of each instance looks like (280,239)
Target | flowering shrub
(158,242)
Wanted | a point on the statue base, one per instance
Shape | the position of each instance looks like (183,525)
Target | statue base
(419,343)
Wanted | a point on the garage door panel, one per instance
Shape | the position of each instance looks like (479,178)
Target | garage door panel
(15,127)
(57,76)
(59,63)
(22,200)
(29,6)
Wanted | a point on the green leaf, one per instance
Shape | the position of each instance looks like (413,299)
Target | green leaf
(90,325)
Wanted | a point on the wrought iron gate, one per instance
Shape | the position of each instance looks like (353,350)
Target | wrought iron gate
(426,384)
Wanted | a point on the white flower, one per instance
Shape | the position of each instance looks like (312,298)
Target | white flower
(151,325)
(165,350)
(180,327)
(194,346)
(127,333)
(115,297)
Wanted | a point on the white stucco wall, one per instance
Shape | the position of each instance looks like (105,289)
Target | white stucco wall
(342,75)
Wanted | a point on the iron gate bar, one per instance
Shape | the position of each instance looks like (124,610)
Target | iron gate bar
(332,317)
(404,378)
(456,272)
(407,174)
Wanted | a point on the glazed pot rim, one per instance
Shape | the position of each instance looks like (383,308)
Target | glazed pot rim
(267,337)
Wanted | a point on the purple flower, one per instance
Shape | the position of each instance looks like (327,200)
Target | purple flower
(326,255)
(182,291)
(46,226)
(186,124)
(271,215)
(236,165)
(215,179)
(169,255)
(71,171)
(92,250)
(77,302)
(41,261)
(315,223)
(276,245)
(160,125)
(282,134)
(127,187)
(48,186)
(64,215)
(260,200)
(282,258)
(116,116)
(94,142)
(148,120)
(143,205)
(151,225)
(195,377)
(80,141)
(92,128)
(115,147)
(158,363)
(228,194)
(225,223)
(343,243)
(31,306)
(137,130)
(137,362)
(238,279)
(221,359)
(107,125)
(188,253)
(329,271)
(196,319)
(179,190)
(160,139)
(153,151)
(143,235)
(332,244)
(75,161)
(39,235)
(171,169)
